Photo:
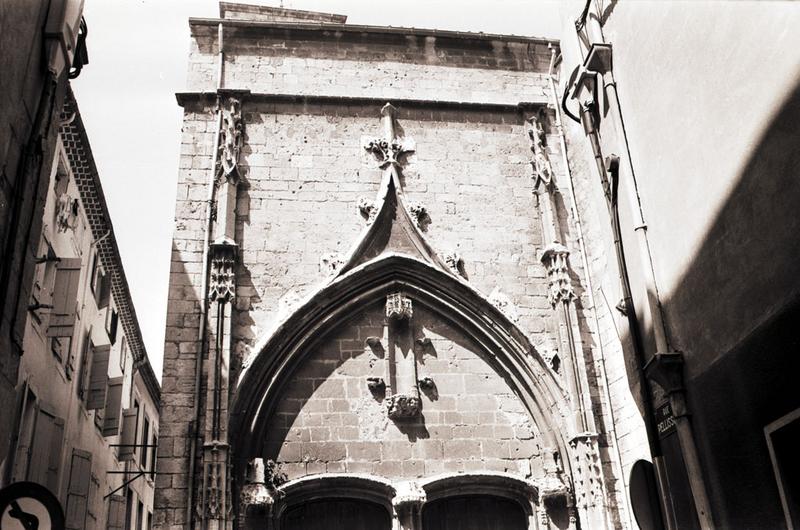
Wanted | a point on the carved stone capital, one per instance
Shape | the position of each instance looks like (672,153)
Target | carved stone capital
(222,284)
(231,138)
(255,495)
(408,494)
(398,307)
(555,260)
(401,406)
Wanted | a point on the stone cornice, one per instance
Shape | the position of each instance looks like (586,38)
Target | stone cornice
(209,98)
(366,29)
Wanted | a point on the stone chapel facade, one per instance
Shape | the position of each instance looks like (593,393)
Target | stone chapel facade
(378,310)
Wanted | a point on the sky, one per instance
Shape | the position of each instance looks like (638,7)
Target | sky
(138,51)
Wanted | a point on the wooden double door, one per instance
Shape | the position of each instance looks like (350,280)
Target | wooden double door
(476,512)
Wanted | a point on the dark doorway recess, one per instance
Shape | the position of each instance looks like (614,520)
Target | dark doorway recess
(337,514)
(474,512)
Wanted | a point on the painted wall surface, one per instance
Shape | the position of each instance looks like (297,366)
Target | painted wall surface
(710,101)
(718,190)
(21,89)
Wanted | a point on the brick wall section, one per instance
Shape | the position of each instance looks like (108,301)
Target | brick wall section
(375,65)
(329,421)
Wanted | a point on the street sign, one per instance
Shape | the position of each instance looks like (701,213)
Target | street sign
(29,506)
(665,421)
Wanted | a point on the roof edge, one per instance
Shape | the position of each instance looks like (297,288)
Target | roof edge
(358,28)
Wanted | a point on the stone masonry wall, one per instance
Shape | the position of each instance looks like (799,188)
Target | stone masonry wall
(329,421)
(303,171)
(306,170)
(369,65)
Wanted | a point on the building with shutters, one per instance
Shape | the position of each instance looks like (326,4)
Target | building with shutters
(43,43)
(85,417)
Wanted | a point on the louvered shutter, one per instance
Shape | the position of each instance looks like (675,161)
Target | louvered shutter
(54,458)
(91,505)
(98,378)
(65,292)
(116,512)
(128,440)
(113,407)
(78,492)
(40,447)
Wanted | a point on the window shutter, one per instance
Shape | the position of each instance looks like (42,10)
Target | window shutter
(40,447)
(128,441)
(63,315)
(78,492)
(113,405)
(98,380)
(91,509)
(54,458)
(116,512)
(65,292)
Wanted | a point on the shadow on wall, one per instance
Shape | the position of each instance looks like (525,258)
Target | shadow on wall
(734,316)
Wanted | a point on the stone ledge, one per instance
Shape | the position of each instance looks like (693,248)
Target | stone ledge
(209,96)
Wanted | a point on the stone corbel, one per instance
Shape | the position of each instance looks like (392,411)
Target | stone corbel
(555,260)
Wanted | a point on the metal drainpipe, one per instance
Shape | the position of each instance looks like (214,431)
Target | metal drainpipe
(201,335)
(585,262)
(588,120)
(684,426)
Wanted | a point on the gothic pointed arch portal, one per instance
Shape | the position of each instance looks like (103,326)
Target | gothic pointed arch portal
(398,368)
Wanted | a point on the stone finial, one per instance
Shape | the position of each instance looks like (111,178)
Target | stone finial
(398,307)
(368,209)
(231,139)
(542,170)
(222,284)
(389,148)
(555,262)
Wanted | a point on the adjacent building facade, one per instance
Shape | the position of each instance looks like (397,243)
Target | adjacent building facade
(379,315)
(84,410)
(690,110)
(48,48)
